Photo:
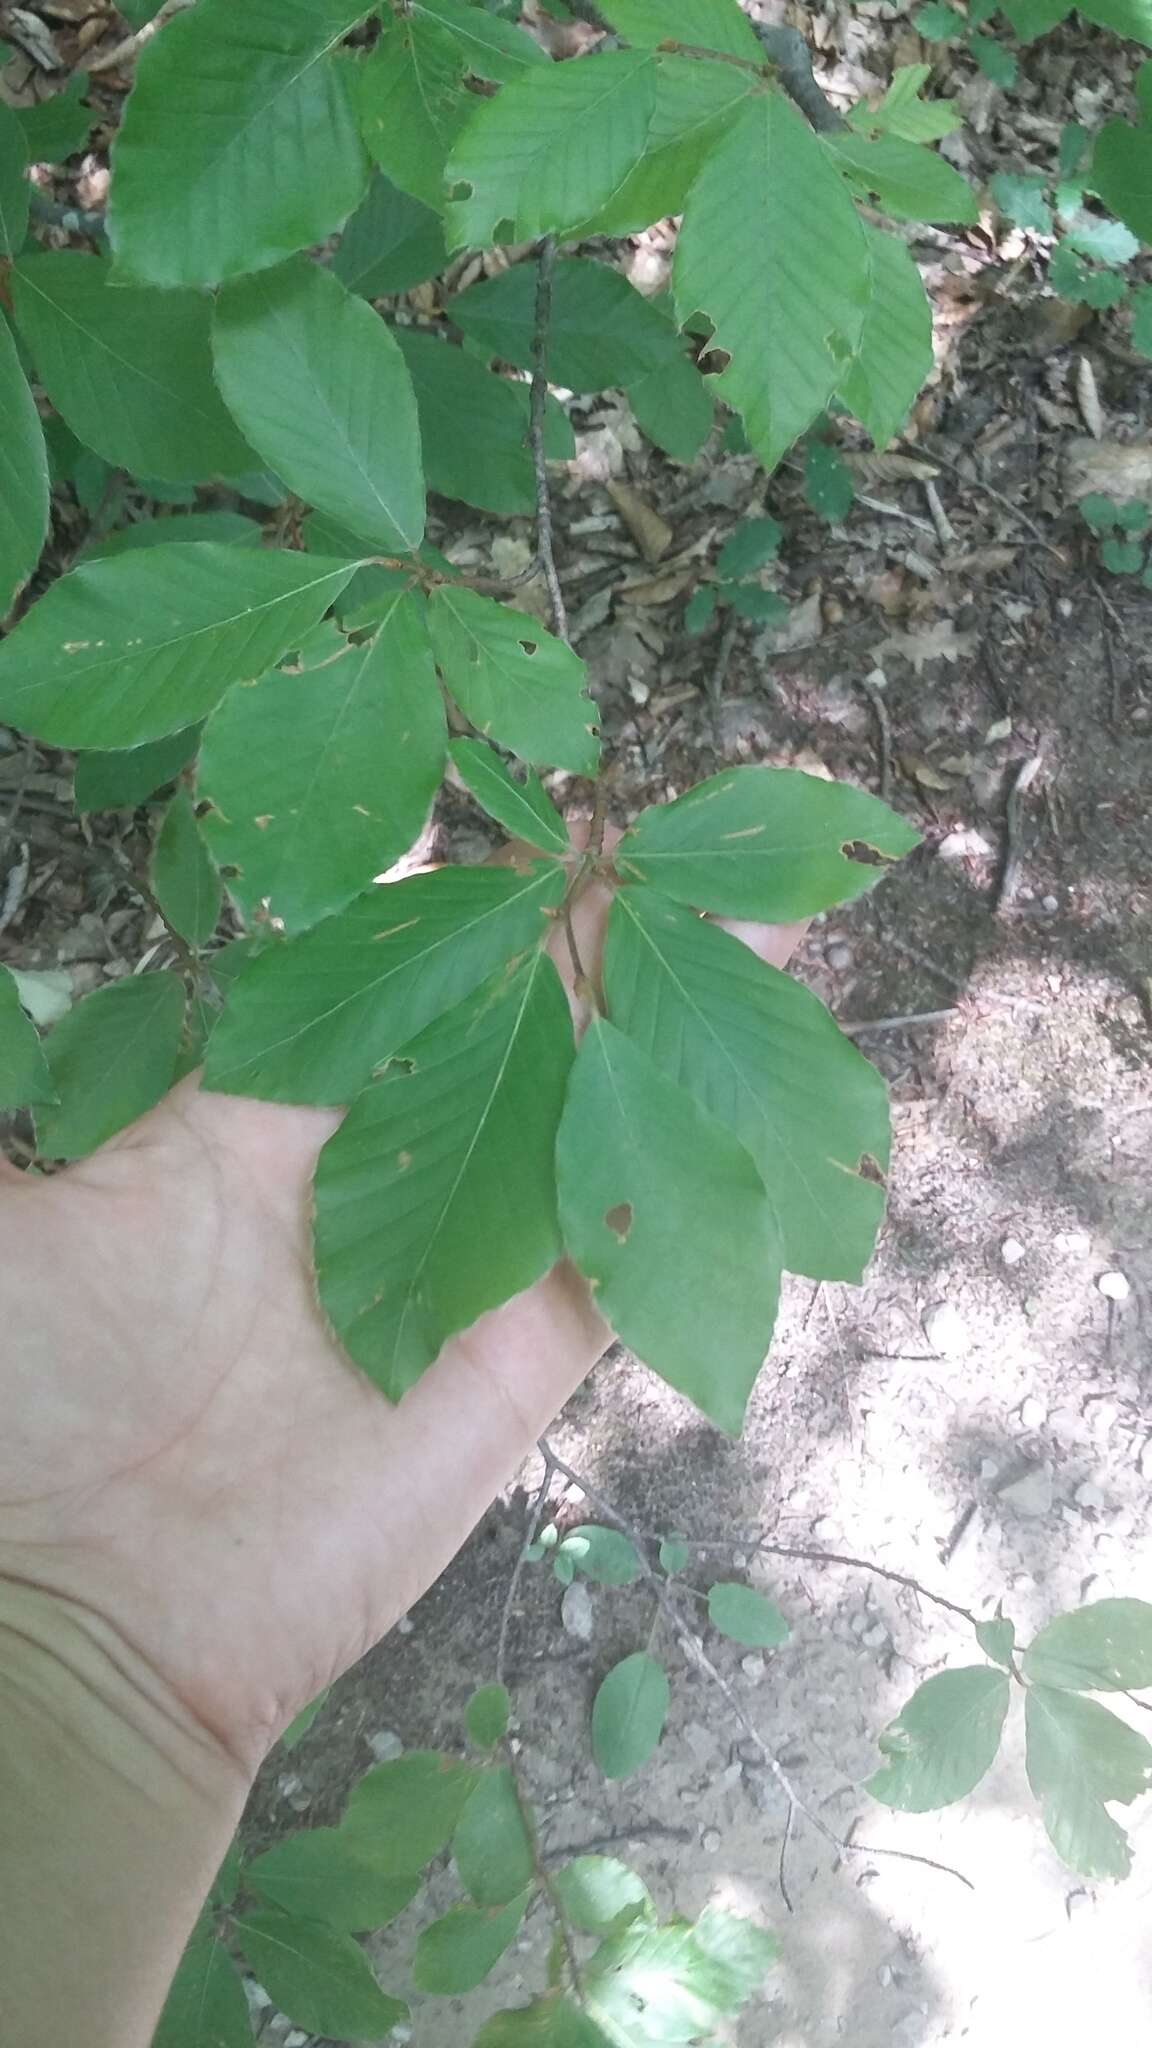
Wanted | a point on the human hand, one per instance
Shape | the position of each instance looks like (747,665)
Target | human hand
(188,1454)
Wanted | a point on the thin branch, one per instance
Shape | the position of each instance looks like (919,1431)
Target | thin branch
(124,52)
(539,394)
(543,1875)
(1013,854)
(782,1866)
(875,696)
(518,1568)
(694,1648)
(913,1021)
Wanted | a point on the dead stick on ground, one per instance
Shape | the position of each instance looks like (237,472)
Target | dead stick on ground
(1013,854)
(123,53)
(875,696)
(539,396)
(694,1648)
(914,1021)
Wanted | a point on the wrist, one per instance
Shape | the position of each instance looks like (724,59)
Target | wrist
(118,1807)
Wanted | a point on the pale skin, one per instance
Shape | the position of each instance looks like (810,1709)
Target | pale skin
(206,1515)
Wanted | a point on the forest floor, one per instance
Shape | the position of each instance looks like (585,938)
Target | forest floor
(976,1415)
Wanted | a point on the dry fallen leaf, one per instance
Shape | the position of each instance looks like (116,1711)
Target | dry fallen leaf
(652,535)
(1116,469)
(938,642)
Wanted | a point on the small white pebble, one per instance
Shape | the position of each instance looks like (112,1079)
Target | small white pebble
(385,1745)
(838,955)
(295,2039)
(1072,1241)
(875,1637)
(739,1560)
(405,1625)
(711,1840)
(1114,1286)
(884,1976)
(1012,1251)
(753,1668)
(1033,1414)
(1049,903)
(945,1329)
(1089,1496)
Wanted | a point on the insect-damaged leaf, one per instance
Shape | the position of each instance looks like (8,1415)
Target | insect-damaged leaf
(436,1198)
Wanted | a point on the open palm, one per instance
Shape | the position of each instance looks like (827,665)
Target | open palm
(186,1450)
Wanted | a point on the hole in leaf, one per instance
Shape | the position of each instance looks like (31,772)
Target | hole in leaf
(462,190)
(403,1160)
(619,1220)
(857,849)
(530,646)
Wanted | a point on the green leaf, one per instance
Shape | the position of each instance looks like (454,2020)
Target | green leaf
(226,1882)
(140,646)
(23,476)
(696,100)
(673,1555)
(997,1639)
(746,1616)
(405,1812)
(57,127)
(1032,18)
(1106,241)
(107,782)
(1142,319)
(264,159)
(1078,1756)
(828,484)
(414,103)
(391,242)
(486,1716)
(549,2022)
(1122,557)
(317,1975)
(750,545)
(1073,280)
(603,1555)
(699,609)
(1021,199)
(310,1019)
(1122,174)
(322,391)
(673,406)
(601,331)
(628,1714)
(458,1951)
(523,808)
(474,427)
(435,1200)
(184,879)
(24,1075)
(906,181)
(518,684)
(676,1981)
(1131,18)
(491,48)
(706,24)
(330,1874)
(765,843)
(902,112)
(893,356)
(129,368)
(765,606)
(596,1891)
(110,1059)
(761,1053)
(550,149)
(664,1212)
(772,251)
(491,1847)
(14,188)
(321,776)
(937,23)
(300,1723)
(994,60)
(943,1741)
(230,527)
(205,2006)
(564,1567)
(1104,1647)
